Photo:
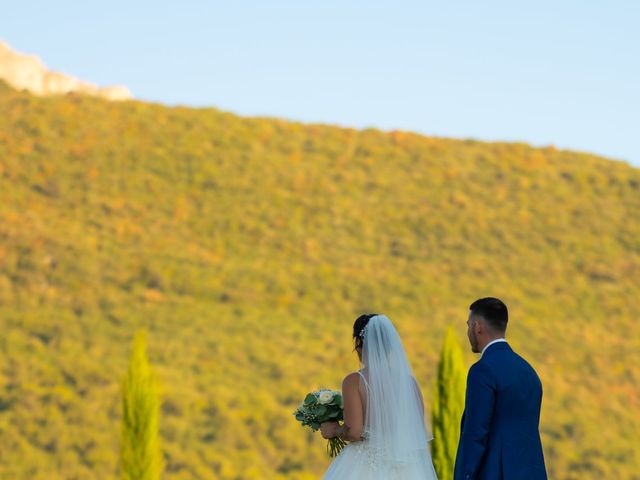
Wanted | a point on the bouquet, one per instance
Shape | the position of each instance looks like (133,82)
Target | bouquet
(319,407)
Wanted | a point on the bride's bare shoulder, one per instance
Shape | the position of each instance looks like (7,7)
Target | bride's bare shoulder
(351,380)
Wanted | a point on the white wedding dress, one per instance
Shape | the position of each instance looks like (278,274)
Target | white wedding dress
(396,445)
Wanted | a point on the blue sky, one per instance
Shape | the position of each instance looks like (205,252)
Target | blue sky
(563,72)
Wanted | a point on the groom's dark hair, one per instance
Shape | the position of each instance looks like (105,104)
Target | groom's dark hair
(494,312)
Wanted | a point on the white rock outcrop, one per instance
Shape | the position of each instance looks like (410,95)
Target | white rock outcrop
(27,72)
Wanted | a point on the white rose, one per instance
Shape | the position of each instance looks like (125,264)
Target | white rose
(325,397)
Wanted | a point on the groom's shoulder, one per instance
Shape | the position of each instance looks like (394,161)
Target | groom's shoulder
(496,356)
(481,368)
(524,363)
(506,359)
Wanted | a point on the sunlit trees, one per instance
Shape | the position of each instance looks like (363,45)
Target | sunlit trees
(141,458)
(447,406)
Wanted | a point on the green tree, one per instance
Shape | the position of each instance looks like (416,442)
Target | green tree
(141,458)
(448,405)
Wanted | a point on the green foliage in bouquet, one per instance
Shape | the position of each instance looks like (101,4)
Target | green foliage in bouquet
(319,407)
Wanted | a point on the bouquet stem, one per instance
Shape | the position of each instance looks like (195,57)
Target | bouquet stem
(335,446)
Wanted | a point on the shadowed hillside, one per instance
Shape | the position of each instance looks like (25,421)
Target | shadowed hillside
(246,247)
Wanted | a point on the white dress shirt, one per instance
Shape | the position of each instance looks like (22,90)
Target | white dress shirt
(497,340)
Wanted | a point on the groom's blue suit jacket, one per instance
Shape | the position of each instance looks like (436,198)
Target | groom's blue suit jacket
(499,438)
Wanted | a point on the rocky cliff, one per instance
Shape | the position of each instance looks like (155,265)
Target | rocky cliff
(27,72)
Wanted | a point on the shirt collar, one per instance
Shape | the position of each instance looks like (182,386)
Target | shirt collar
(497,340)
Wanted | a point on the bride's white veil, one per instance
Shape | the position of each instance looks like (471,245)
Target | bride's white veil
(394,420)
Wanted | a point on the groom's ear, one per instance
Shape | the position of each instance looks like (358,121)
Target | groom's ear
(479,325)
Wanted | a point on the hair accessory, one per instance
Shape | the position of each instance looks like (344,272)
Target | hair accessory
(364,330)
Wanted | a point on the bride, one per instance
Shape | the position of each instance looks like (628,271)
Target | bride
(383,412)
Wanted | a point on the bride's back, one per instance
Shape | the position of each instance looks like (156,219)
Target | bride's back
(363,390)
(390,407)
(394,415)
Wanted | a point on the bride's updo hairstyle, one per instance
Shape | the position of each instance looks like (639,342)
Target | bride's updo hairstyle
(358,327)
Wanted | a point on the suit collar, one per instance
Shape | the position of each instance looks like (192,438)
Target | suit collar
(498,344)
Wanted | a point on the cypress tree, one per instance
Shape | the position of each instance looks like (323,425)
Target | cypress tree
(448,405)
(140,455)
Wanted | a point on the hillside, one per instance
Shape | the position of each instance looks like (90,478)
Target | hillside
(246,247)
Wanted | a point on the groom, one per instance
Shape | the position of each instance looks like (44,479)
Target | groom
(499,438)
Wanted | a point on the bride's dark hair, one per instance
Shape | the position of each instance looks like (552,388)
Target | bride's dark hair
(359,325)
